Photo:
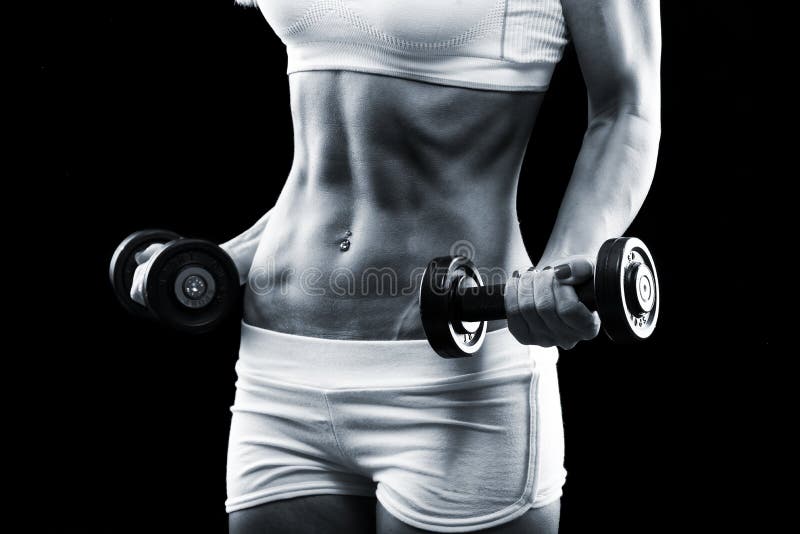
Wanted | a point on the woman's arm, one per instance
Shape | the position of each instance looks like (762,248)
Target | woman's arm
(242,248)
(619,49)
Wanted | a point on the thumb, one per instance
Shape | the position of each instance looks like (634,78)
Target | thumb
(144,255)
(575,270)
(137,285)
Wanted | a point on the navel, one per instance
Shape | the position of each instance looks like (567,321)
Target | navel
(344,244)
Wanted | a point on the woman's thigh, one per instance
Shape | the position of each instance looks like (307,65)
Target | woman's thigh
(542,520)
(321,514)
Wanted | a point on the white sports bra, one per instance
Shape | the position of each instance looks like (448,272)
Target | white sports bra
(506,45)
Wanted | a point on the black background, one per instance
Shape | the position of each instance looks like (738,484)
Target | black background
(176,115)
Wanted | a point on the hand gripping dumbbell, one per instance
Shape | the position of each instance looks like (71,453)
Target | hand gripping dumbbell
(190,284)
(455,304)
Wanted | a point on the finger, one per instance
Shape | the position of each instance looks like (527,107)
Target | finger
(575,270)
(516,323)
(144,255)
(523,320)
(544,337)
(544,297)
(574,313)
(137,286)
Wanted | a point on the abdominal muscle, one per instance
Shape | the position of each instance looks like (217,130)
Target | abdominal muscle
(399,171)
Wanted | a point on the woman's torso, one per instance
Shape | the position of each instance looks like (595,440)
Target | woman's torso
(403,170)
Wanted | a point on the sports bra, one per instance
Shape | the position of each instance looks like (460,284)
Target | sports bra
(505,45)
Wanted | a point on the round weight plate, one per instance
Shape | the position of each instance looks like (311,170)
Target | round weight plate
(627,291)
(186,269)
(448,336)
(123,264)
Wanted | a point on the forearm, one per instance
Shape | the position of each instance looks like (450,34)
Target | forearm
(610,181)
(242,248)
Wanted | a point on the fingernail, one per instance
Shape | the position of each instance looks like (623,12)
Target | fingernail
(563,271)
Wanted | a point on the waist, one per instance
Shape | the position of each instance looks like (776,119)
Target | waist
(336,363)
(354,272)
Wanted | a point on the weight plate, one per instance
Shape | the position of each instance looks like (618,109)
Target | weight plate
(123,264)
(627,290)
(448,336)
(191,285)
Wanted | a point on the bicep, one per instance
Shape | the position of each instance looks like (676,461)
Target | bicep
(618,43)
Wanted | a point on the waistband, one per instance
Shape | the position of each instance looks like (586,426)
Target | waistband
(346,363)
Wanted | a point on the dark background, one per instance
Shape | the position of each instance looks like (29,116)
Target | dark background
(138,107)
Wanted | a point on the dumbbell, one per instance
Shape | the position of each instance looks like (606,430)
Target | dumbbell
(190,284)
(455,304)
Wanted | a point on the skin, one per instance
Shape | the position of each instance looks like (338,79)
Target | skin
(410,169)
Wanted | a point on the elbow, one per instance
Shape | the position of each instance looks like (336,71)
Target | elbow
(636,122)
(645,113)
(629,135)
(632,94)
(649,118)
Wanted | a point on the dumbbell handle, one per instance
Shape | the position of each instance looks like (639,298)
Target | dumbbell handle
(486,303)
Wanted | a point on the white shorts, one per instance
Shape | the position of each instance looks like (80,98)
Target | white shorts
(448,445)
